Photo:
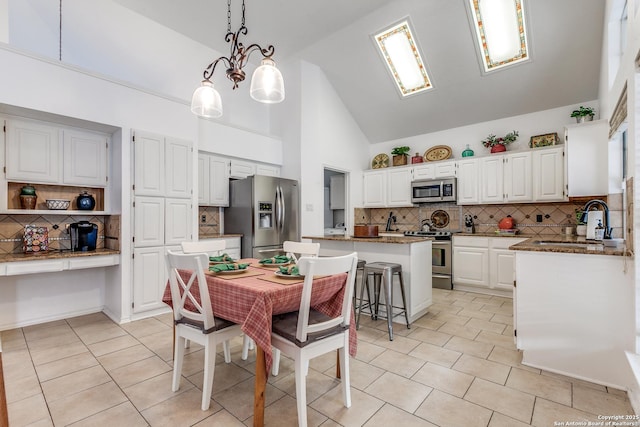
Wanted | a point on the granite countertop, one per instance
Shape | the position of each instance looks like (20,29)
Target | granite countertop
(494,234)
(401,239)
(569,244)
(54,254)
(217,236)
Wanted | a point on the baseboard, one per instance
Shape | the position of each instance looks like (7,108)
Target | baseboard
(634,392)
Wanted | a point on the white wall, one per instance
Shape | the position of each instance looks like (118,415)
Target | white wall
(329,138)
(527,125)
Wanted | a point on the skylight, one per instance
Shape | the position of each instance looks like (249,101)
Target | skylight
(500,31)
(400,52)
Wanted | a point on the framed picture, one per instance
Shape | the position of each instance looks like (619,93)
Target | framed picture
(543,140)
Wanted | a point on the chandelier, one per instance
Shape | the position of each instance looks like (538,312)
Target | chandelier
(267,85)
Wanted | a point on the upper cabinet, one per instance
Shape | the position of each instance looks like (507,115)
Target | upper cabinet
(506,178)
(241,169)
(586,159)
(162,166)
(374,192)
(433,170)
(548,173)
(468,178)
(44,153)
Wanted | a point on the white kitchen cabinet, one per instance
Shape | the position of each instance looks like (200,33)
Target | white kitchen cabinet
(484,264)
(241,169)
(586,157)
(468,182)
(374,192)
(471,261)
(399,187)
(149,166)
(518,178)
(218,181)
(177,221)
(33,152)
(162,166)
(213,180)
(491,179)
(445,169)
(149,228)
(203,179)
(178,168)
(267,170)
(548,173)
(232,246)
(85,158)
(149,278)
(424,171)
(336,192)
(502,270)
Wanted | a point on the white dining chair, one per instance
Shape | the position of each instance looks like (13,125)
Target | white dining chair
(215,248)
(210,247)
(307,333)
(196,324)
(300,248)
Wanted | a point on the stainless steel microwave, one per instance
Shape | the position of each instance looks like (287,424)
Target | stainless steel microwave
(433,190)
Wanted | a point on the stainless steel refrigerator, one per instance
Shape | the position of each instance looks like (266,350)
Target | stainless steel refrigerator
(266,211)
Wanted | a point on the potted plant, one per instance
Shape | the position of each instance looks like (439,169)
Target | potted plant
(400,155)
(581,227)
(583,114)
(499,144)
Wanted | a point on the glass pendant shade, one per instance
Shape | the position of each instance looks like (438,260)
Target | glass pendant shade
(206,101)
(267,85)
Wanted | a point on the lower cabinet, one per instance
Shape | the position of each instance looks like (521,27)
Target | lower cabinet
(149,278)
(484,264)
(232,246)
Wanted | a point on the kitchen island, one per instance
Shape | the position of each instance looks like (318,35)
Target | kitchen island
(413,253)
(574,308)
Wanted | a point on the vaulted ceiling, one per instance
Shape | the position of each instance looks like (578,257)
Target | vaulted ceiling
(565,38)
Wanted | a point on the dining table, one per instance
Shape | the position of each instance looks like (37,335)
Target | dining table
(252,297)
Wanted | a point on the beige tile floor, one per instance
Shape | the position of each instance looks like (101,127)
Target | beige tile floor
(456,366)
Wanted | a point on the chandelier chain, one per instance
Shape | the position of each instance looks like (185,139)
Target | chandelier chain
(243,13)
(228,16)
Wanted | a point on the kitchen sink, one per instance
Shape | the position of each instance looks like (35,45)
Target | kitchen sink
(566,244)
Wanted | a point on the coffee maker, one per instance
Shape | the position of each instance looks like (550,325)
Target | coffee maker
(84,235)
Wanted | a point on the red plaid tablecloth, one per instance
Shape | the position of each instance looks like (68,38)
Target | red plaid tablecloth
(252,302)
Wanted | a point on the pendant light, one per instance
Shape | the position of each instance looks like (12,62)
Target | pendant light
(267,84)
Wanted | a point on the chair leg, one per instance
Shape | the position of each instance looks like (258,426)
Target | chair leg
(178,358)
(404,301)
(301,391)
(388,296)
(365,283)
(246,343)
(343,354)
(227,351)
(209,370)
(275,366)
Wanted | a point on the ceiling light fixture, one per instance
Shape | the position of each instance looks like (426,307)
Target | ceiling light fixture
(500,31)
(400,52)
(267,85)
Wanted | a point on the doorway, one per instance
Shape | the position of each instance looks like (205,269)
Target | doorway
(335,201)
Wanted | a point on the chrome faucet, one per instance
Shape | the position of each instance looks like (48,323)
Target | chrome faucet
(607,229)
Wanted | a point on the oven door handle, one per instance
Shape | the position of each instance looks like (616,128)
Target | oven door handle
(440,243)
(440,276)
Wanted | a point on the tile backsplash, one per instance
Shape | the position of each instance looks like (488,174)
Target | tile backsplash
(12,230)
(210,227)
(555,216)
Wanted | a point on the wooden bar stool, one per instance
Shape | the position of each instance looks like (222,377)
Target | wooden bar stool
(383,273)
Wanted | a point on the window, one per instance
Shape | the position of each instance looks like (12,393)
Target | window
(500,31)
(401,54)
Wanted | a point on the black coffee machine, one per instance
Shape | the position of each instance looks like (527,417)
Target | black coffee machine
(84,235)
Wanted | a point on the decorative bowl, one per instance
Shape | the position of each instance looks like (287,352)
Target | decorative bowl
(58,204)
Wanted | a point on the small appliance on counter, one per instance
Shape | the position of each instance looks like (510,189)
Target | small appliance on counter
(84,235)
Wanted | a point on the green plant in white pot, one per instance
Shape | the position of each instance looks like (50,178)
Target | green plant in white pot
(583,114)
(581,227)
(400,155)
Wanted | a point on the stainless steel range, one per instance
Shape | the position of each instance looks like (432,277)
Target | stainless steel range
(440,257)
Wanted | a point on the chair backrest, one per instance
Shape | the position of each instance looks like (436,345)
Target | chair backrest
(313,266)
(301,248)
(210,247)
(182,291)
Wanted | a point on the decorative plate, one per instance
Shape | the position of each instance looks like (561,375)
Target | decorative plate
(276,264)
(222,262)
(439,152)
(380,161)
(231,271)
(440,218)
(288,276)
